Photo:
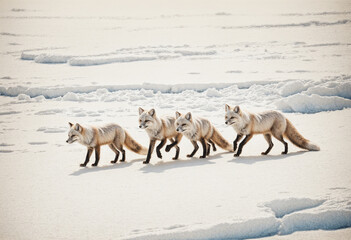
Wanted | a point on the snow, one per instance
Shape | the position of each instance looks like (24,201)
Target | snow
(99,63)
(282,207)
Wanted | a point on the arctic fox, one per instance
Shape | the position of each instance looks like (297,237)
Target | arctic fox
(111,134)
(159,129)
(200,129)
(267,123)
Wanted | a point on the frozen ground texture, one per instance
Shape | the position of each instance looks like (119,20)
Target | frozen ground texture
(95,63)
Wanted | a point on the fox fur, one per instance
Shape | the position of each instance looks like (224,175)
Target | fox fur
(267,123)
(159,129)
(94,137)
(200,129)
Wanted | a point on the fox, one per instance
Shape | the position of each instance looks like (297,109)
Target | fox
(200,129)
(112,135)
(159,129)
(267,123)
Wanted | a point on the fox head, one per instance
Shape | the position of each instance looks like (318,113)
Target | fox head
(183,123)
(147,118)
(74,133)
(233,116)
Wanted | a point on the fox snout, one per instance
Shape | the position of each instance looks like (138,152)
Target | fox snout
(179,130)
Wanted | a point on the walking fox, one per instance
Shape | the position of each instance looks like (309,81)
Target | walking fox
(94,137)
(267,123)
(159,129)
(200,129)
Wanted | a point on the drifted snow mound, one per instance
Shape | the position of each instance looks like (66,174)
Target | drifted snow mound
(328,220)
(288,96)
(282,207)
(311,104)
(287,220)
(90,61)
(254,228)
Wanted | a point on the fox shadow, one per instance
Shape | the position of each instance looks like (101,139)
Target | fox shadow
(181,163)
(118,165)
(261,158)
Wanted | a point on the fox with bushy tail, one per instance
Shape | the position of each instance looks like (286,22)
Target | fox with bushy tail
(112,135)
(267,123)
(200,129)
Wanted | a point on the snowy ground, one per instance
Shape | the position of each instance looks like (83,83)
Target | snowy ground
(97,63)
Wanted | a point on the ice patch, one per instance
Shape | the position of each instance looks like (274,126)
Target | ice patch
(282,207)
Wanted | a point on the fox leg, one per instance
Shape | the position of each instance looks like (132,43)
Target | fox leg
(113,148)
(280,138)
(159,147)
(97,156)
(213,145)
(120,148)
(196,147)
(204,147)
(242,144)
(208,149)
(237,139)
(151,149)
(90,151)
(174,143)
(268,138)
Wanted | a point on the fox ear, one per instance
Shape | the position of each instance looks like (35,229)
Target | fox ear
(152,112)
(188,116)
(237,109)
(178,114)
(78,128)
(141,110)
(70,124)
(227,107)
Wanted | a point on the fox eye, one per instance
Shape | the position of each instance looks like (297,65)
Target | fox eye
(232,117)
(146,121)
(183,125)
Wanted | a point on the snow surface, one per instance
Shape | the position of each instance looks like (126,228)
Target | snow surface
(95,63)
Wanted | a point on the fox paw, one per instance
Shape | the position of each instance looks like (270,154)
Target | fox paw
(236,155)
(174,158)
(146,162)
(83,165)
(284,152)
(189,155)
(168,148)
(263,153)
(94,164)
(202,156)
